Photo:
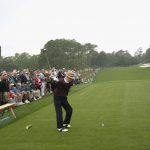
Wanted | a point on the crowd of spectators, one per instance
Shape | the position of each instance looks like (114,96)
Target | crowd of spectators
(25,86)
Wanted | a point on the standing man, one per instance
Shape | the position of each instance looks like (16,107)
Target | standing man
(60,88)
(4,88)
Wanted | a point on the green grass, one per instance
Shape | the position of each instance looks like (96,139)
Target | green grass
(119,98)
(124,73)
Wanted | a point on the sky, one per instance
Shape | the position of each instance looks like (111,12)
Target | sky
(27,25)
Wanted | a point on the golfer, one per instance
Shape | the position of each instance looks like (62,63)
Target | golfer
(60,88)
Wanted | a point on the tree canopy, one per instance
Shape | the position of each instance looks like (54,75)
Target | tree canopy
(71,54)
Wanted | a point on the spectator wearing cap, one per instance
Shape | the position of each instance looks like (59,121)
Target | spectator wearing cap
(60,89)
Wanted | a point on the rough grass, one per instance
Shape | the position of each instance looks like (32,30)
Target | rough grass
(119,99)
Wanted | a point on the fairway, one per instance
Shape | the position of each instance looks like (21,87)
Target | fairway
(110,114)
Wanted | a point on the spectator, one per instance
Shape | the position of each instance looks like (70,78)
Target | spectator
(38,83)
(23,78)
(13,77)
(61,74)
(48,81)
(18,95)
(42,77)
(4,88)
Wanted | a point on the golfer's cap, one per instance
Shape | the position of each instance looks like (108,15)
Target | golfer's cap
(70,74)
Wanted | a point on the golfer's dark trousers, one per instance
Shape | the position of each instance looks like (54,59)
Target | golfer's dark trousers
(59,102)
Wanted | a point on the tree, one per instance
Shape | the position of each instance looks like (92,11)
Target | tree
(66,53)
(22,60)
(123,58)
(139,56)
(7,64)
(102,59)
(89,53)
(148,55)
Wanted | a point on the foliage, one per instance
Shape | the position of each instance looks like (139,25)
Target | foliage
(66,53)
(148,55)
(71,54)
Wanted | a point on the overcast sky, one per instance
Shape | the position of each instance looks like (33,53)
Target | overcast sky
(26,25)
